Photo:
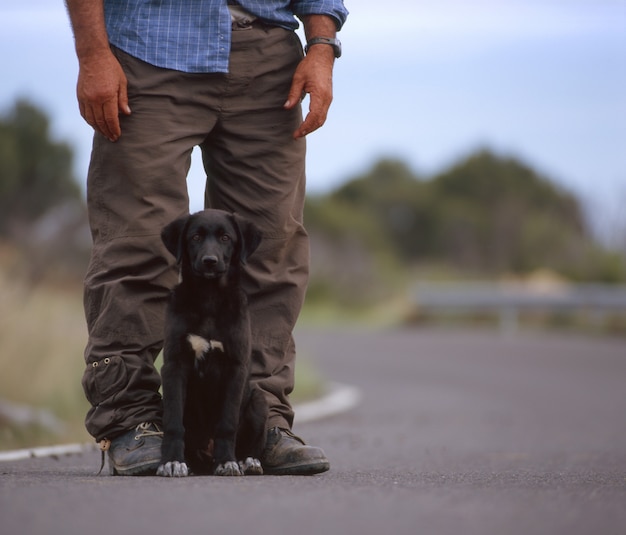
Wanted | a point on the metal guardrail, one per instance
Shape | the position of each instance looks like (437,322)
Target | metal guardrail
(508,300)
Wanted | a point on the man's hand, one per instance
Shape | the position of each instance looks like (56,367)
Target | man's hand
(101,88)
(102,95)
(314,76)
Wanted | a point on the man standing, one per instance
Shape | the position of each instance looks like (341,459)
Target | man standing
(157,78)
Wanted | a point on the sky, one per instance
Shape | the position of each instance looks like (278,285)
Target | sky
(425,81)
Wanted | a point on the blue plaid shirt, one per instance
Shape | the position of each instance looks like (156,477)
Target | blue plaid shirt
(194,35)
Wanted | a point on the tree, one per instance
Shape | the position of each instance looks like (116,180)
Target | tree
(486,215)
(400,203)
(35,171)
(498,214)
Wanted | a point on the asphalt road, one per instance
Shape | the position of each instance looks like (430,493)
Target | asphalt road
(457,433)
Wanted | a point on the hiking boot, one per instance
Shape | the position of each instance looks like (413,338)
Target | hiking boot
(135,453)
(286,454)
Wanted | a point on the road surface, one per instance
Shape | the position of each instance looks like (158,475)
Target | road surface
(457,432)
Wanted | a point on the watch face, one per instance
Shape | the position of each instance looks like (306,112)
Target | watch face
(337,48)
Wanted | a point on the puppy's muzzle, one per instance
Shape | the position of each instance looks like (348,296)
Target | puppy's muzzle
(209,261)
(210,266)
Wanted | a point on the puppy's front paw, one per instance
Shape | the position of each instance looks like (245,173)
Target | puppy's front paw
(173,469)
(251,467)
(230,468)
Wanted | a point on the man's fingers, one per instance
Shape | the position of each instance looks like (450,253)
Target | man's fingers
(105,118)
(312,122)
(87,114)
(110,122)
(122,98)
(102,94)
(318,111)
(102,119)
(296,93)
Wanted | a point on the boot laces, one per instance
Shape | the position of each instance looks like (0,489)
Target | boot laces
(145,430)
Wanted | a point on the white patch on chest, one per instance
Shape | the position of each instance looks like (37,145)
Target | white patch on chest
(201,346)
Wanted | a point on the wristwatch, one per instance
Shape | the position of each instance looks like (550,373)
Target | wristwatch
(335,43)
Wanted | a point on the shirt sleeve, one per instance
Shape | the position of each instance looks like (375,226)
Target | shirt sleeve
(332,8)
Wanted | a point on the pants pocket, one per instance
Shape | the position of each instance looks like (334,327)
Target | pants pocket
(104,378)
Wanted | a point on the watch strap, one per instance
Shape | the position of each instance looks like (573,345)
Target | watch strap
(335,43)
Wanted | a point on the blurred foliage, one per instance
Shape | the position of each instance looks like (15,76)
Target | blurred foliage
(35,171)
(42,214)
(485,216)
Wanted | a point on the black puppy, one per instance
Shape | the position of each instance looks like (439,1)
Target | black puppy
(213,417)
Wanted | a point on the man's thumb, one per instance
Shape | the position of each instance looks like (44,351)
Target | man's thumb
(123,100)
(295,95)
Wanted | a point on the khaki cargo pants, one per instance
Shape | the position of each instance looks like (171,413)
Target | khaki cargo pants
(138,184)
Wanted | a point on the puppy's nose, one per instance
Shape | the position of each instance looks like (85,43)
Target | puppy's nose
(209,260)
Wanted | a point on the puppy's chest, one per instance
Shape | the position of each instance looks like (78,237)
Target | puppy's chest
(206,335)
(202,347)
(209,356)
(204,326)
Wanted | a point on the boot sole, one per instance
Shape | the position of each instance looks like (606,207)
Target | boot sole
(307,469)
(142,469)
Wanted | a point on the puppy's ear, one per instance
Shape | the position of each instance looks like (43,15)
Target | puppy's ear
(249,236)
(173,236)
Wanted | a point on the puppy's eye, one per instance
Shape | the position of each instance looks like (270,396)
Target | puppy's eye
(196,237)
(225,237)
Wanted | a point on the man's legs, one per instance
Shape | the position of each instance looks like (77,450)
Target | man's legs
(256,168)
(135,187)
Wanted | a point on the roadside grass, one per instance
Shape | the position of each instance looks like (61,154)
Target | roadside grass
(386,313)
(42,338)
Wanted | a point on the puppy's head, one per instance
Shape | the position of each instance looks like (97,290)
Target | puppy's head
(211,242)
